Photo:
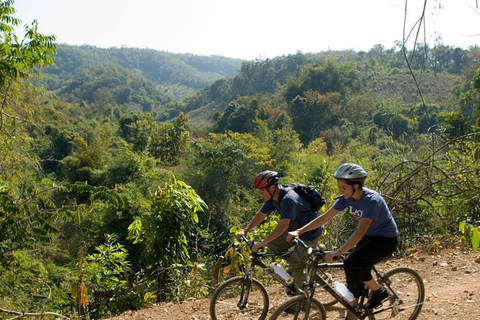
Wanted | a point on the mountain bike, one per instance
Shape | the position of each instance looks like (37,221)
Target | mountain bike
(244,297)
(406,294)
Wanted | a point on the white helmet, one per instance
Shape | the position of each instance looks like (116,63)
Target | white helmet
(352,172)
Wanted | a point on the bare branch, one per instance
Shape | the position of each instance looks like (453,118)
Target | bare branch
(19,315)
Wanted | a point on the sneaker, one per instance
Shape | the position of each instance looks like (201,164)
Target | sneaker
(376,298)
(291,290)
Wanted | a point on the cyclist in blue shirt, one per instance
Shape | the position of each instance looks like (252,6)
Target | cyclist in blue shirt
(375,238)
(295,212)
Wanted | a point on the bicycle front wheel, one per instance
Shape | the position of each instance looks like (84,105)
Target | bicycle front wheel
(239,298)
(295,309)
(406,300)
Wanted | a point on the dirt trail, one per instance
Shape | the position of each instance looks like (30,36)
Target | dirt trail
(451,277)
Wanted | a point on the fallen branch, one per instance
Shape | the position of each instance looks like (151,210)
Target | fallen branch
(27,314)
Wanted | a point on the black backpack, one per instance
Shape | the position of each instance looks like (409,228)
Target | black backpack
(309,193)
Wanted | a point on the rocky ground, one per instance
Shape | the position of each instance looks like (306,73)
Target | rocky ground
(451,277)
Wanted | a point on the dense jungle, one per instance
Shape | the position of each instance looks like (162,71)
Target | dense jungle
(125,172)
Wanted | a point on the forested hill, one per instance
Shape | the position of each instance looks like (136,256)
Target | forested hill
(178,73)
(165,83)
(410,77)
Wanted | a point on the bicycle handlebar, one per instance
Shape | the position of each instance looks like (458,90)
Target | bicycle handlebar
(318,253)
(248,242)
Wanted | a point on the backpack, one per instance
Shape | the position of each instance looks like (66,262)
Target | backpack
(309,193)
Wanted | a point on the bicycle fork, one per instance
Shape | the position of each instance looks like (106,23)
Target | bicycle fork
(242,302)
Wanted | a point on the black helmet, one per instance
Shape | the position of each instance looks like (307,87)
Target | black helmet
(351,172)
(265,179)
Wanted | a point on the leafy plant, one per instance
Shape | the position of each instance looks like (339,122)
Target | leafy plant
(105,275)
(163,231)
(471,234)
(19,56)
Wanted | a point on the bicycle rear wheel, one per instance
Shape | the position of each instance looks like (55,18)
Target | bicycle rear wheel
(295,309)
(409,294)
(239,298)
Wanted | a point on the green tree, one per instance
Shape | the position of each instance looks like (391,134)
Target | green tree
(453,124)
(324,77)
(224,161)
(313,113)
(163,231)
(236,117)
(105,274)
(19,56)
(137,129)
(279,138)
(169,142)
(89,157)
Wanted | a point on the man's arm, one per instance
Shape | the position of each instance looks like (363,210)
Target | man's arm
(281,227)
(259,217)
(315,223)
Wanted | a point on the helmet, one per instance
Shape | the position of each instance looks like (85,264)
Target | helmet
(350,171)
(265,179)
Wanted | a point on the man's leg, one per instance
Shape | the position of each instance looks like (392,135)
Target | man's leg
(280,244)
(297,259)
(298,262)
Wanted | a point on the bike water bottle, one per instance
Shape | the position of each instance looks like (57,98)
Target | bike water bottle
(279,271)
(344,291)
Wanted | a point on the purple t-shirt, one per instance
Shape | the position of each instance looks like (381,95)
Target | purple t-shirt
(297,209)
(371,205)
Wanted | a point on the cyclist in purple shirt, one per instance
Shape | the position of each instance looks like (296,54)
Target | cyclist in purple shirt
(295,212)
(375,238)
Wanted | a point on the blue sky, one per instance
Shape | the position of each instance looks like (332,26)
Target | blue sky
(250,29)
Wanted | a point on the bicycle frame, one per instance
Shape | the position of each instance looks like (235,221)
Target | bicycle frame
(256,262)
(358,311)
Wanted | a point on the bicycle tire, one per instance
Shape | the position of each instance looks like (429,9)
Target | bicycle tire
(408,286)
(227,301)
(287,310)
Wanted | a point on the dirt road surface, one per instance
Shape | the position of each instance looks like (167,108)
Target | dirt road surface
(451,277)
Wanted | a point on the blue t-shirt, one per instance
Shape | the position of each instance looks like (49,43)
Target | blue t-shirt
(371,205)
(297,209)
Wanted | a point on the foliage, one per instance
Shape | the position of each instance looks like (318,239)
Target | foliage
(25,217)
(19,56)
(29,282)
(176,74)
(314,113)
(190,284)
(236,117)
(163,231)
(432,189)
(109,85)
(105,275)
(170,140)
(223,161)
(470,234)
(237,255)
